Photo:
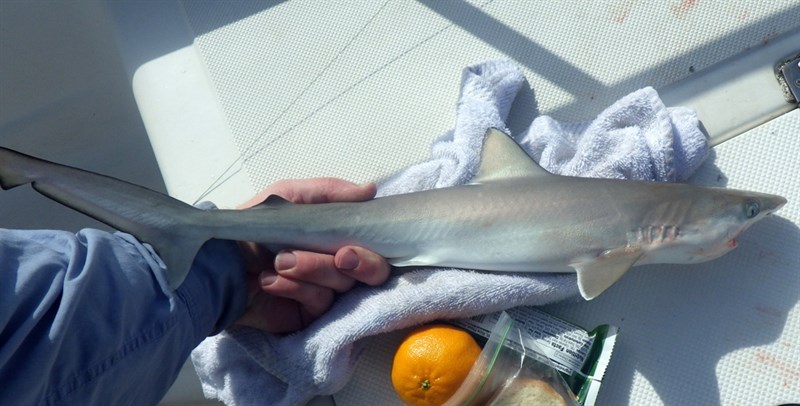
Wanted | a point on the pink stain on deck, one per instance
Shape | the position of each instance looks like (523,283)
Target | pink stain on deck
(682,10)
(623,11)
(787,373)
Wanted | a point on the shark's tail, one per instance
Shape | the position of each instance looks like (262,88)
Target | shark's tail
(174,229)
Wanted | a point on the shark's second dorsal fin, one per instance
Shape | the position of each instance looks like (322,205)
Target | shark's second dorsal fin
(503,158)
(275,201)
(272,201)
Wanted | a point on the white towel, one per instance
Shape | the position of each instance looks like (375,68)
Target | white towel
(636,138)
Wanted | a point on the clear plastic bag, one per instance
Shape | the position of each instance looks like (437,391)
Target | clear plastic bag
(509,374)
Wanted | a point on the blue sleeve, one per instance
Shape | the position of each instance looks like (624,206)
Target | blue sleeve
(87,318)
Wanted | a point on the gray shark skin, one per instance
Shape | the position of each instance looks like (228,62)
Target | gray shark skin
(513,216)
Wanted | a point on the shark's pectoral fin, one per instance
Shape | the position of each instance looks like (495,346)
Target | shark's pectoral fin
(597,275)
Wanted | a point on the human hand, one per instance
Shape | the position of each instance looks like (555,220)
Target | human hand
(288,291)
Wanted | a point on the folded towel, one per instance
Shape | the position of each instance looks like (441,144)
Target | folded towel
(636,138)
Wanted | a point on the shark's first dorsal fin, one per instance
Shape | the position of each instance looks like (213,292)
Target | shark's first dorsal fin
(503,158)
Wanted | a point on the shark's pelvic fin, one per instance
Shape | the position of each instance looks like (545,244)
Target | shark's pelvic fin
(503,158)
(597,275)
(417,260)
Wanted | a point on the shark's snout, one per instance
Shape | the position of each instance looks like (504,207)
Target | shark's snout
(773,203)
(760,205)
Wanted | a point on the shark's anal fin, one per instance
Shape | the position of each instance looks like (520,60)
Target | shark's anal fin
(597,275)
(503,158)
(178,254)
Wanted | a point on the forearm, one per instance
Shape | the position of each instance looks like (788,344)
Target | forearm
(88,319)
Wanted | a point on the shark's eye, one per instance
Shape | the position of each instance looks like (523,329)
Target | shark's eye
(751,209)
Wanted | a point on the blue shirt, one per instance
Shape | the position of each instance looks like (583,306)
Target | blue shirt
(88,319)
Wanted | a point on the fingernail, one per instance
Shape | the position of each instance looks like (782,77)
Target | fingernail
(285,260)
(267,279)
(348,260)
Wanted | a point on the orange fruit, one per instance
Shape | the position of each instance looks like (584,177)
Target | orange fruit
(431,363)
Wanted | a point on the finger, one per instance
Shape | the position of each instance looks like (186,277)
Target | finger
(311,267)
(275,314)
(324,190)
(317,190)
(315,299)
(256,256)
(362,265)
(351,192)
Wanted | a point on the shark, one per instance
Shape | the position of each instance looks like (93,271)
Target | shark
(513,216)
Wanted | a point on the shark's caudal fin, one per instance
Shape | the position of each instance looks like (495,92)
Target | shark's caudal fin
(170,226)
(9,176)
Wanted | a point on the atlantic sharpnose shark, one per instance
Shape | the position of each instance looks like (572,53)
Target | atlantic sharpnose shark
(513,216)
